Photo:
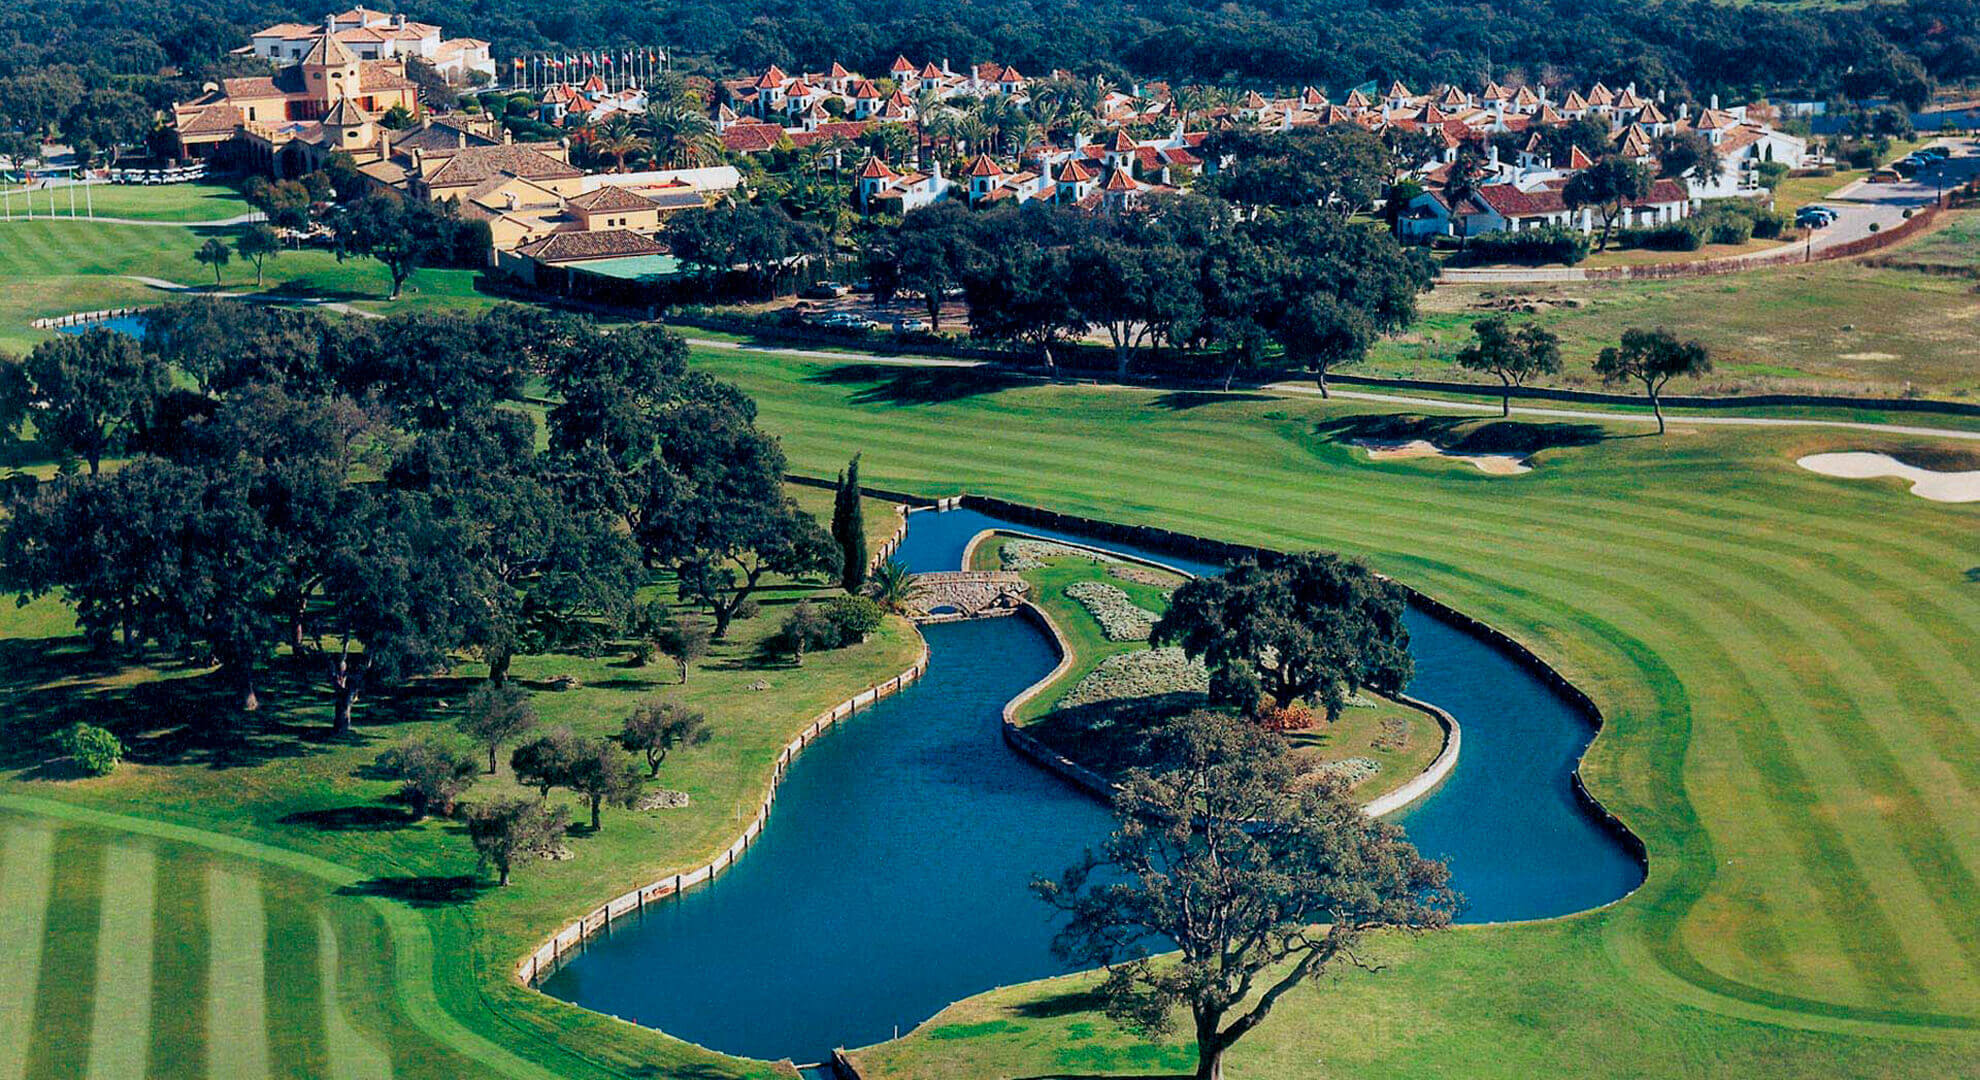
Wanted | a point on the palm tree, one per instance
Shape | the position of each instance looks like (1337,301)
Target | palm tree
(618,141)
(927,107)
(680,133)
(893,585)
(1046,113)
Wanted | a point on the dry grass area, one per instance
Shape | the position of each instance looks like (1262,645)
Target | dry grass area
(1839,327)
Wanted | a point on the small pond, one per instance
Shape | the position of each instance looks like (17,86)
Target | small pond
(892,877)
(129,324)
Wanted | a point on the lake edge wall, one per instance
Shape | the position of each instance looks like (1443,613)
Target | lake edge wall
(1201,547)
(546,958)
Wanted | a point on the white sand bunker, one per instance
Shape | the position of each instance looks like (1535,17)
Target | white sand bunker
(1507,464)
(1952,487)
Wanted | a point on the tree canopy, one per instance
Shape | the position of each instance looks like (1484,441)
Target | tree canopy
(1309,627)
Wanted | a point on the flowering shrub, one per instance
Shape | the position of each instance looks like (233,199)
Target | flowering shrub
(1394,734)
(1351,771)
(1021,554)
(1139,674)
(1142,575)
(1295,717)
(1120,618)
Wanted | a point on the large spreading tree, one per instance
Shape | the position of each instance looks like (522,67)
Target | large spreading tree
(1260,875)
(1309,627)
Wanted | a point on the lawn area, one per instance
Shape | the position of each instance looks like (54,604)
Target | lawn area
(271,828)
(59,267)
(1841,327)
(141,202)
(1778,656)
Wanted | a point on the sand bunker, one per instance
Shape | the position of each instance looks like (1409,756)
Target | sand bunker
(1952,487)
(1507,464)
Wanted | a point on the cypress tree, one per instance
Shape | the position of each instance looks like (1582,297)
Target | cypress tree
(849,528)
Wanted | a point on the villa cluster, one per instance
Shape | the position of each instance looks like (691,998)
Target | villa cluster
(1145,141)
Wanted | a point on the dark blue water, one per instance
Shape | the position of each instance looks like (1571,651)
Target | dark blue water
(892,878)
(129,324)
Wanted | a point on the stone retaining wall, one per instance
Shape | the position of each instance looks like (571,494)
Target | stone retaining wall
(82,317)
(552,952)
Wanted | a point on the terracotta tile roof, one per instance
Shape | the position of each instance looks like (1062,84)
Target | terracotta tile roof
(1072,172)
(901,64)
(771,79)
(876,170)
(262,86)
(329,52)
(752,138)
(984,165)
(1578,160)
(477,164)
(1121,144)
(210,120)
(866,89)
(608,198)
(377,75)
(346,113)
(578,246)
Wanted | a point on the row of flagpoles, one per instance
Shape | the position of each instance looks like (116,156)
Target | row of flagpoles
(618,67)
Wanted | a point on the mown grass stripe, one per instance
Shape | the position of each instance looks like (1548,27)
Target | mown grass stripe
(292,986)
(237,1013)
(119,1041)
(351,1055)
(58,1048)
(27,877)
(179,957)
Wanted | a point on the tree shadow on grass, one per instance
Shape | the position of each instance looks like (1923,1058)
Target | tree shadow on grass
(173,713)
(890,385)
(1107,1076)
(1461,434)
(422,891)
(1070,1003)
(1182,400)
(352,819)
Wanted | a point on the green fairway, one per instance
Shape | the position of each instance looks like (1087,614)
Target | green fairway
(1776,653)
(60,267)
(140,202)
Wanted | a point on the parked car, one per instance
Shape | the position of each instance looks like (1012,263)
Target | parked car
(911,326)
(1819,217)
(863,285)
(1884,176)
(825,290)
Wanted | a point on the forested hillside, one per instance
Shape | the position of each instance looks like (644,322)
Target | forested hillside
(1700,47)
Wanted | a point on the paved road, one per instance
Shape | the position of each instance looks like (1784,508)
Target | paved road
(1857,206)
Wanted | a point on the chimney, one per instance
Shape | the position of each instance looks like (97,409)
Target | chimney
(1492,155)
(1715,103)
(945,66)
(460,139)
(510,198)
(329,25)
